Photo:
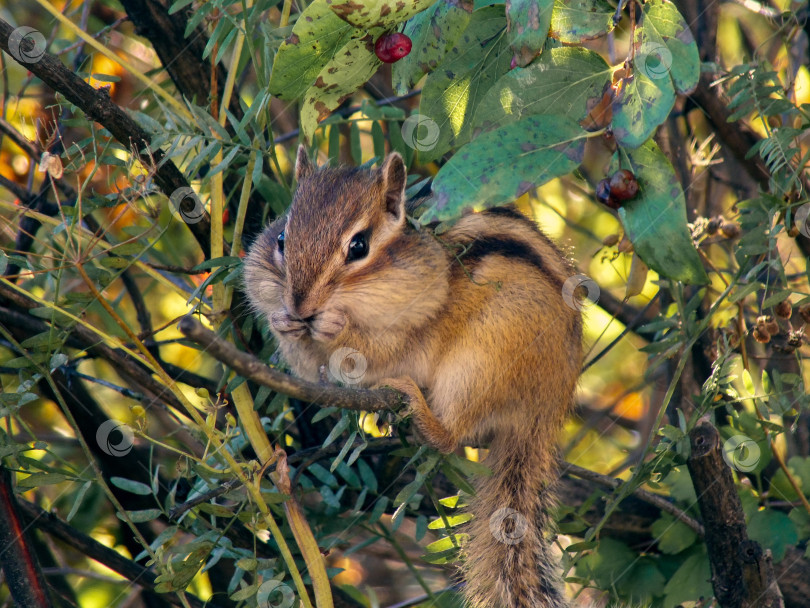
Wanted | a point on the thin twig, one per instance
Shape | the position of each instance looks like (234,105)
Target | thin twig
(662,503)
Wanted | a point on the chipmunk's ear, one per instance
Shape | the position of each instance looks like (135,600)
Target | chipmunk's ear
(394,177)
(303,166)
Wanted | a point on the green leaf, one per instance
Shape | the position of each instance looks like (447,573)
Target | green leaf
(639,107)
(315,39)
(457,480)
(452,521)
(349,68)
(566,81)
(501,165)
(673,535)
(41,479)
(406,493)
(642,583)
(78,500)
(574,21)
(442,557)
(655,221)
(341,426)
(665,58)
(608,563)
(377,13)
(690,582)
(216,510)
(528,22)
(367,475)
(379,508)
(141,516)
(134,487)
(773,530)
(322,475)
(421,528)
(448,542)
(226,260)
(451,94)
(433,33)
(665,48)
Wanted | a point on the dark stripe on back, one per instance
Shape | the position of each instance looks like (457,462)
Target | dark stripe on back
(509,248)
(512,213)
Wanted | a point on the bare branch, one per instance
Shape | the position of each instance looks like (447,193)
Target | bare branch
(252,368)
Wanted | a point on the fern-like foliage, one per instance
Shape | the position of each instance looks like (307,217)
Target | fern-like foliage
(757,93)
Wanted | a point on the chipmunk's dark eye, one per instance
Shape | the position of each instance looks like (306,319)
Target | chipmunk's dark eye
(358,247)
(280,241)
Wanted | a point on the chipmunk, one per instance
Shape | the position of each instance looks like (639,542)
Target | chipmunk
(471,326)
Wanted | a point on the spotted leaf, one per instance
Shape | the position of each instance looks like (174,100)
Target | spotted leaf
(568,81)
(528,22)
(655,220)
(368,14)
(351,66)
(470,68)
(501,165)
(316,37)
(574,21)
(433,32)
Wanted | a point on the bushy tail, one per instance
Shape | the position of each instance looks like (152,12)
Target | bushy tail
(508,562)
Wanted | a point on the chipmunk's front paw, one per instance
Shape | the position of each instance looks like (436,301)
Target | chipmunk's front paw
(428,426)
(404,385)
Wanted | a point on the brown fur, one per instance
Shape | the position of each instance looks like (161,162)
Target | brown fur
(477,321)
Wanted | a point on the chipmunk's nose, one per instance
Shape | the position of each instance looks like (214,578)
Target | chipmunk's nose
(300,308)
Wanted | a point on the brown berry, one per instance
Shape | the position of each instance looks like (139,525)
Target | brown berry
(804,313)
(712,226)
(761,336)
(604,196)
(390,48)
(772,327)
(783,310)
(730,230)
(623,185)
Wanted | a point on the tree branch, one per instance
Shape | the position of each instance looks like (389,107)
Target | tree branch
(98,106)
(20,565)
(252,368)
(135,573)
(742,574)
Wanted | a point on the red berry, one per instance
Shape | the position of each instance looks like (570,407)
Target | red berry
(226,216)
(392,47)
(604,196)
(623,185)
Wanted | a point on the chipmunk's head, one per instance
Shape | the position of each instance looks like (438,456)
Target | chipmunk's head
(343,253)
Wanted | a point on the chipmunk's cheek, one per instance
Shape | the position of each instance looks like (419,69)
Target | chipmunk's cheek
(287,327)
(328,326)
